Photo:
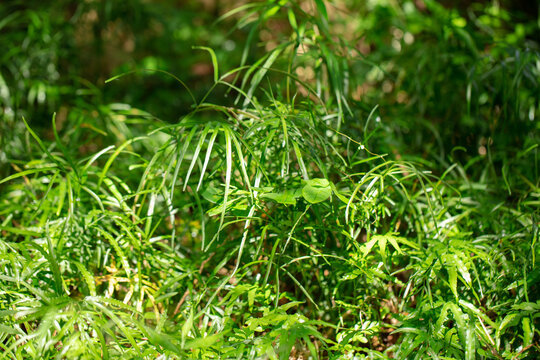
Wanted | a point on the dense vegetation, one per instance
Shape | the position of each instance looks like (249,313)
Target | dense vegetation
(269,179)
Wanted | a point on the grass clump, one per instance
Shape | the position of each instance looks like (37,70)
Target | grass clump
(311,201)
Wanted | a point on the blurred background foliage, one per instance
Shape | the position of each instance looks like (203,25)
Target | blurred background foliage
(447,74)
(59,53)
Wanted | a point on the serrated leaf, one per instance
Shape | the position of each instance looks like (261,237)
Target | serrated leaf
(368,246)
(452,280)
(470,341)
(289,305)
(463,270)
(88,278)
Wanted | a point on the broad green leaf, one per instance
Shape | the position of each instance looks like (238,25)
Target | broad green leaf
(528,333)
(287,197)
(167,342)
(316,190)
(204,342)
(368,246)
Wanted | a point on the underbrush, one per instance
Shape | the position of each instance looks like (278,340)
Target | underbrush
(319,200)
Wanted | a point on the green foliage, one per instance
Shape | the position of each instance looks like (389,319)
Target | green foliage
(356,180)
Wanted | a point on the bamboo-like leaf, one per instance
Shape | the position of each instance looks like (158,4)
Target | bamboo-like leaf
(114,156)
(27,172)
(228,155)
(196,154)
(214,60)
(207,157)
